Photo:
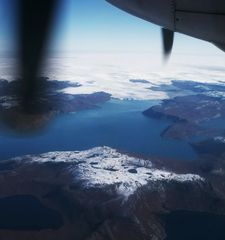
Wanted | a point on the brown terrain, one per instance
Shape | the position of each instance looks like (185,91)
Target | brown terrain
(100,212)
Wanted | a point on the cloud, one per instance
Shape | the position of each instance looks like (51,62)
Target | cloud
(111,72)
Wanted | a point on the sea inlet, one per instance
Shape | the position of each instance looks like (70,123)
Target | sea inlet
(118,124)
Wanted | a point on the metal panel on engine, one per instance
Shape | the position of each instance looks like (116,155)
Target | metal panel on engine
(201,6)
(209,27)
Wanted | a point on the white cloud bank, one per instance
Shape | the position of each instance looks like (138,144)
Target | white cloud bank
(112,72)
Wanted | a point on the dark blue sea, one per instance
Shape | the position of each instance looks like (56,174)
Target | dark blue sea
(117,124)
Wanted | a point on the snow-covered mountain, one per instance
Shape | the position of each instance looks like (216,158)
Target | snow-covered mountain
(103,166)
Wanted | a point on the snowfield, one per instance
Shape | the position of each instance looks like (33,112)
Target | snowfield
(103,166)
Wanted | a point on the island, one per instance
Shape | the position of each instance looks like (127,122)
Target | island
(195,109)
(51,101)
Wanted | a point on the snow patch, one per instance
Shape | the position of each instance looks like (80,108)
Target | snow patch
(104,166)
(219,139)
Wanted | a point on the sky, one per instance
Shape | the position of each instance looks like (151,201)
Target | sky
(97,26)
(7,25)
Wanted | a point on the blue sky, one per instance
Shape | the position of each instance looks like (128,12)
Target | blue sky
(95,26)
(7,26)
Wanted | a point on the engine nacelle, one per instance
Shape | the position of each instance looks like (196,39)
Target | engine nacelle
(202,19)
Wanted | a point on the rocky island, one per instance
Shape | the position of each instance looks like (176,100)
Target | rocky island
(51,101)
(187,114)
(199,114)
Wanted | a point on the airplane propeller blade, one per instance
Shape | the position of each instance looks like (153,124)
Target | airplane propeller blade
(35,21)
(168,38)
